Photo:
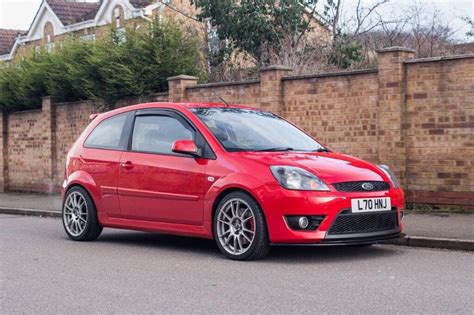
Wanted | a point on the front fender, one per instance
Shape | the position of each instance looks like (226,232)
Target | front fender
(246,182)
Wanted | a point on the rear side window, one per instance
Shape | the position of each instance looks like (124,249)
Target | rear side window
(156,134)
(107,134)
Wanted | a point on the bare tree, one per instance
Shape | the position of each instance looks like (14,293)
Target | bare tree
(418,27)
(309,56)
(364,17)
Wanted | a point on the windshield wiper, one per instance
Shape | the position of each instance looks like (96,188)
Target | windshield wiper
(276,149)
(321,150)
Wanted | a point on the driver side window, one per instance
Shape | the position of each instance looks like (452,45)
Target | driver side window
(156,134)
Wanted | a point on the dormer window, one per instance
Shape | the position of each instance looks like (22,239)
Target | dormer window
(118,16)
(48,36)
(48,32)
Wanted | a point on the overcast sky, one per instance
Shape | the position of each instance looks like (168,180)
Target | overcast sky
(18,14)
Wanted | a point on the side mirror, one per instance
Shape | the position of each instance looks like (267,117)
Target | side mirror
(186,147)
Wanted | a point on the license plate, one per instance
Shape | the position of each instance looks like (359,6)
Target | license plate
(371,204)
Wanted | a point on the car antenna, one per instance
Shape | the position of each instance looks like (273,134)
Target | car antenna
(223,101)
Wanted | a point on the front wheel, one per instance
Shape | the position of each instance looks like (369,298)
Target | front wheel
(240,229)
(80,216)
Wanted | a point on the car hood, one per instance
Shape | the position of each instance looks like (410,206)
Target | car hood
(330,167)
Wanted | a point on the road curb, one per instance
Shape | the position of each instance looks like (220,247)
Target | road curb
(433,242)
(416,241)
(31,212)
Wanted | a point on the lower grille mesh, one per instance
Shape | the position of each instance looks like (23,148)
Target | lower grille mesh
(347,223)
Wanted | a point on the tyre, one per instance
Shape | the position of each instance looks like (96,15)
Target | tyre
(80,216)
(240,229)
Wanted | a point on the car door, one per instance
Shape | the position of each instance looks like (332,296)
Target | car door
(100,158)
(156,184)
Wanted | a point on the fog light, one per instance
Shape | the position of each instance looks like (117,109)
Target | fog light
(303,222)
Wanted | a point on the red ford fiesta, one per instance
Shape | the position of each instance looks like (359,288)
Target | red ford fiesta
(245,177)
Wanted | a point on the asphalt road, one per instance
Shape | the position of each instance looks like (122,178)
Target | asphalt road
(132,272)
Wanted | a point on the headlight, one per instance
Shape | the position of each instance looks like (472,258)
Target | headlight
(389,173)
(296,178)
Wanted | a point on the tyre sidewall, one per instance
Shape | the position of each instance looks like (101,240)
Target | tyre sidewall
(91,215)
(260,245)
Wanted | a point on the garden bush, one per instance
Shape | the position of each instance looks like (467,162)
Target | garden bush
(117,65)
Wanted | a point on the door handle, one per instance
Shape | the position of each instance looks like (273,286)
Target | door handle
(127,165)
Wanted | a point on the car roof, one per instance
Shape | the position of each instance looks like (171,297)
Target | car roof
(177,106)
(214,105)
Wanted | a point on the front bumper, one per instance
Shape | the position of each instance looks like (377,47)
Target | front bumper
(361,238)
(355,239)
(277,206)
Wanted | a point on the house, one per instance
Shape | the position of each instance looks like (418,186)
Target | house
(57,19)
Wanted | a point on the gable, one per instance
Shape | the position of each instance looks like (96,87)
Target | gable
(105,13)
(44,15)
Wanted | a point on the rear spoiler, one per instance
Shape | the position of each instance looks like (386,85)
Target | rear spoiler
(93,116)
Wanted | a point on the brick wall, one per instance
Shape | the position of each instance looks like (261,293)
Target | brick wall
(71,120)
(3,153)
(244,92)
(29,151)
(339,110)
(416,115)
(440,130)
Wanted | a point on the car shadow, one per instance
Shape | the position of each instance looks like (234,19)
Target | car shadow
(278,254)
(302,254)
(160,241)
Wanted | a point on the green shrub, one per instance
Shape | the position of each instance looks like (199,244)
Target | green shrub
(118,65)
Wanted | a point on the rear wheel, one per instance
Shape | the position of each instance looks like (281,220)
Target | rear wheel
(240,228)
(80,216)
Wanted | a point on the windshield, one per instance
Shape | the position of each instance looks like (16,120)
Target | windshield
(251,130)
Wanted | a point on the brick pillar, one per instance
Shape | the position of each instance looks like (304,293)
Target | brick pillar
(3,151)
(392,108)
(271,88)
(49,123)
(177,87)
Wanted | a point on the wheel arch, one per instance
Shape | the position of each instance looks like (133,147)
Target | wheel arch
(80,186)
(86,182)
(227,191)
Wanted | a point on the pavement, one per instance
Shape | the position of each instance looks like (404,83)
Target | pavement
(43,272)
(439,230)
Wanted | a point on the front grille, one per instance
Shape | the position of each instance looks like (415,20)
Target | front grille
(358,186)
(348,223)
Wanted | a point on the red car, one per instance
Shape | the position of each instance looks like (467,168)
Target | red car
(245,177)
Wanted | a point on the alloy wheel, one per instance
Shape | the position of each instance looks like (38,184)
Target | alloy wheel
(236,226)
(75,213)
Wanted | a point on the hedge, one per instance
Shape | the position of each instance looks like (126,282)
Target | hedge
(117,65)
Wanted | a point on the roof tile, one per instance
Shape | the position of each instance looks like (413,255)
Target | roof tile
(141,3)
(7,40)
(70,12)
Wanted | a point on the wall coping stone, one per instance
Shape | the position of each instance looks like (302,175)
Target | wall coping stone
(219,84)
(329,74)
(442,58)
(182,77)
(276,67)
(26,111)
(85,102)
(395,48)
